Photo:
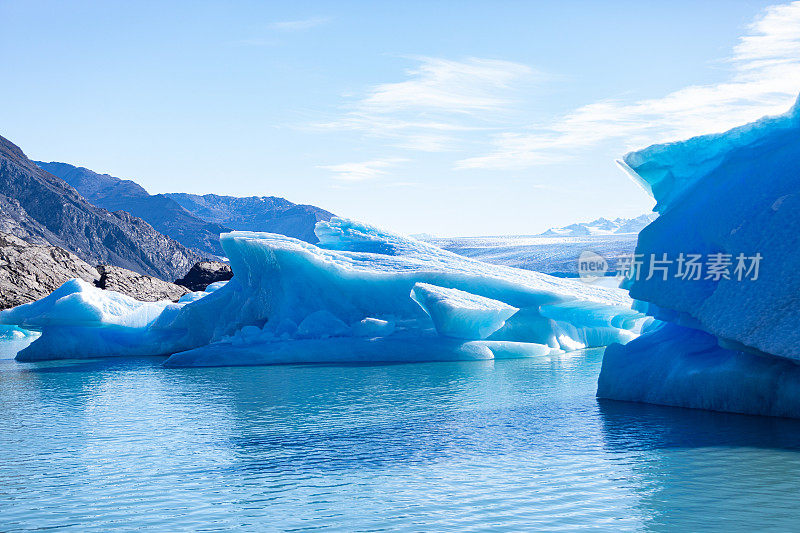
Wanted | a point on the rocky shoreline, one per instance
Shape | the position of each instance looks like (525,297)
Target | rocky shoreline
(30,271)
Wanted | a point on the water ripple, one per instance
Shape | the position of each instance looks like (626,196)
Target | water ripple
(502,446)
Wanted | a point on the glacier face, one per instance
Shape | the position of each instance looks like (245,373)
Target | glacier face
(362,294)
(685,367)
(732,193)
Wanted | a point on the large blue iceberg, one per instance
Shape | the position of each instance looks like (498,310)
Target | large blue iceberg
(361,294)
(732,341)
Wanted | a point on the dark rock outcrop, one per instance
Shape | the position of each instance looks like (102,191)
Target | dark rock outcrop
(143,288)
(204,274)
(32,271)
(64,218)
(160,211)
(256,213)
(29,272)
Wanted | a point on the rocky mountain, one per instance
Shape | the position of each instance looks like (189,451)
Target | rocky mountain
(143,288)
(256,213)
(93,186)
(193,220)
(602,226)
(46,207)
(204,274)
(15,221)
(32,271)
(160,211)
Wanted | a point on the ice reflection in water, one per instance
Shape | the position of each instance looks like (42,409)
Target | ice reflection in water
(506,445)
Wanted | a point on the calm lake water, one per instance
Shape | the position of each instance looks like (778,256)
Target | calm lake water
(515,445)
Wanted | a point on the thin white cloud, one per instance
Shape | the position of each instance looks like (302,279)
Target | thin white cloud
(439,99)
(286,26)
(361,171)
(467,86)
(765,80)
(299,25)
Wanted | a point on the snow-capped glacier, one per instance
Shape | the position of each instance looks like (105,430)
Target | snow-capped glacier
(362,294)
(603,226)
(724,196)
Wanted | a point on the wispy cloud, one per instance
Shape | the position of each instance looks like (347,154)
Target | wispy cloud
(361,171)
(272,38)
(438,99)
(467,86)
(765,79)
(299,25)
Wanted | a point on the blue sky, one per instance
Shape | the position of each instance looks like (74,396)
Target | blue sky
(453,118)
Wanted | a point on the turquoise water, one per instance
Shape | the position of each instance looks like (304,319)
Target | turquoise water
(515,445)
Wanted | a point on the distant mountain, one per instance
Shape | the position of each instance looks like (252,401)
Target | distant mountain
(256,213)
(635,225)
(194,221)
(94,186)
(15,221)
(160,211)
(47,209)
(603,226)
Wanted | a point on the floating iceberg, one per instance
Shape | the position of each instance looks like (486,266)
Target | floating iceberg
(724,196)
(78,320)
(362,294)
(79,303)
(13,339)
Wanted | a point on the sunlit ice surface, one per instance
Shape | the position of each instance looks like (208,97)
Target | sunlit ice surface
(91,445)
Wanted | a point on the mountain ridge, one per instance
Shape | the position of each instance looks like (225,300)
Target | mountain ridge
(47,208)
(256,213)
(195,221)
(160,211)
(602,226)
